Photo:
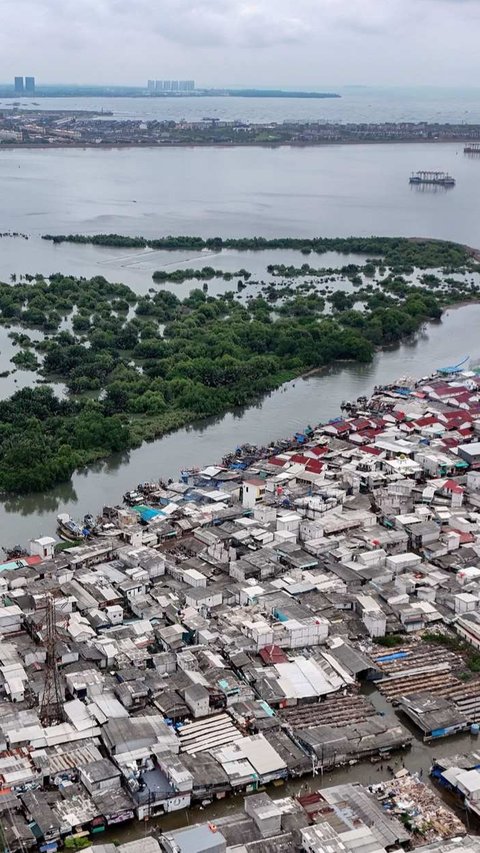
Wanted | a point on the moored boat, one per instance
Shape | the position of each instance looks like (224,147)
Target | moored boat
(69,530)
(133,497)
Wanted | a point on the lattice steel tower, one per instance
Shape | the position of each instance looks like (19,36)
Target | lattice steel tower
(51,708)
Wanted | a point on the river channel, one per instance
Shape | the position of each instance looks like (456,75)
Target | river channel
(311,400)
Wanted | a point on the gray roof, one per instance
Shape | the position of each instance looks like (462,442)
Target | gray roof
(196,692)
(99,771)
(354,660)
(431,712)
(195,839)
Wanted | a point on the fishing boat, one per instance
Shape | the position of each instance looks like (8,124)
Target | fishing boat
(69,530)
(440,179)
(133,497)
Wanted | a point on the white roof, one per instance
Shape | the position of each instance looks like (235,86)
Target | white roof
(261,754)
(472,448)
(78,714)
(211,471)
(11,610)
(302,678)
(470,780)
(107,707)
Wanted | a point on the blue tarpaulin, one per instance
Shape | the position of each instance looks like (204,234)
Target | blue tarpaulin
(393,656)
(147,513)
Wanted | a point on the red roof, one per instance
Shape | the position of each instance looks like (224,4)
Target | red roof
(456,413)
(429,420)
(443,389)
(465,538)
(449,441)
(276,461)
(273,654)
(360,423)
(457,421)
(319,450)
(33,561)
(462,396)
(298,457)
(367,448)
(452,486)
(314,466)
(371,433)
(342,426)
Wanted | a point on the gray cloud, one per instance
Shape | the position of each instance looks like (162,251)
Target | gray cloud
(244,41)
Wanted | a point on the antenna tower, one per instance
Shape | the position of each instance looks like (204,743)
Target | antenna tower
(51,708)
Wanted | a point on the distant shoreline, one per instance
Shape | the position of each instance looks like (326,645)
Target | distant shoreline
(109,146)
(200,93)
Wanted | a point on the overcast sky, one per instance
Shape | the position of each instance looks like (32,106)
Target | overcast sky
(228,42)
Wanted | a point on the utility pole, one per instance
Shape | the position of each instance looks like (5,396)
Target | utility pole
(51,708)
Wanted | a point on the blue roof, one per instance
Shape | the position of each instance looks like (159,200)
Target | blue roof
(149,514)
(12,564)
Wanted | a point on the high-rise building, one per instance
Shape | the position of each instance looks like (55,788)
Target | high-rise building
(171,85)
(30,85)
(19,85)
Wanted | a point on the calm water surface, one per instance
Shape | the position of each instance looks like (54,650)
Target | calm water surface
(328,191)
(357,104)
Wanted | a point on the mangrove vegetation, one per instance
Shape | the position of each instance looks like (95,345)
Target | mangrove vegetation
(134,367)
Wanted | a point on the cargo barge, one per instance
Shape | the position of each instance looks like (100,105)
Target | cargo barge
(441,179)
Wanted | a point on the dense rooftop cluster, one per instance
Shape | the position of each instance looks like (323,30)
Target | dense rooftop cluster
(60,127)
(214,635)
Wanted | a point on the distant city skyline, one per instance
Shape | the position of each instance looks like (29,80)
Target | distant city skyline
(24,85)
(266,43)
(170,85)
